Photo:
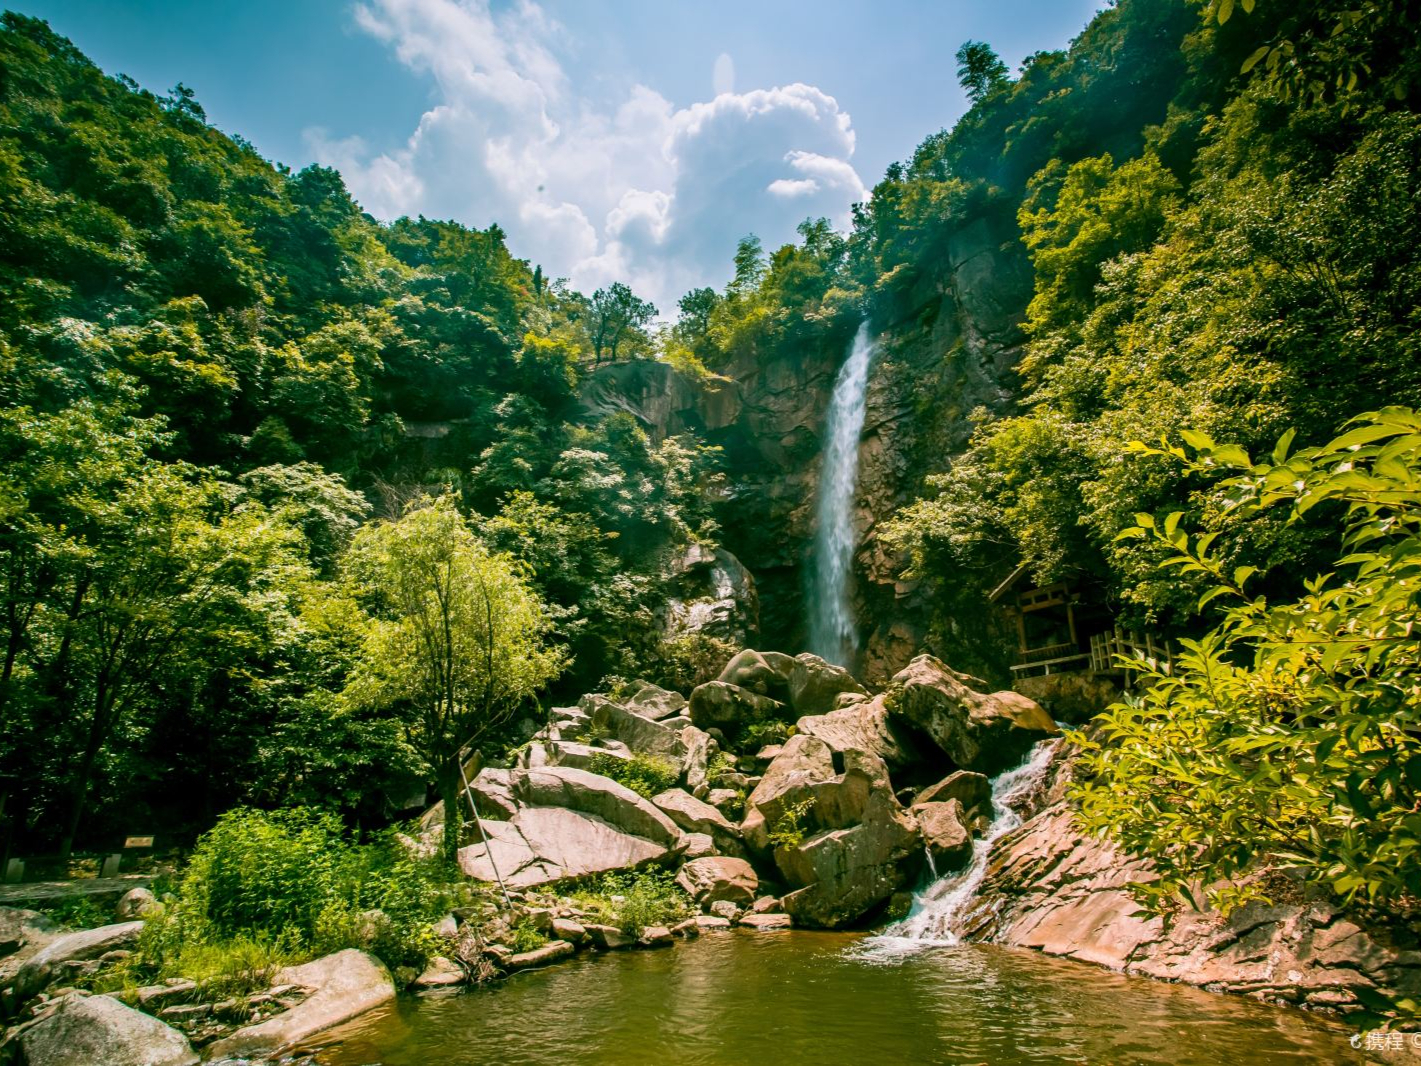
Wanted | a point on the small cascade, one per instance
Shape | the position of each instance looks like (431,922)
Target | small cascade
(936,911)
(832,632)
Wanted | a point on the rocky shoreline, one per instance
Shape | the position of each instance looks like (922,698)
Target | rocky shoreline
(795,798)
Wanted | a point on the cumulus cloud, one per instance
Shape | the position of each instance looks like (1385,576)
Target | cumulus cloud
(637,191)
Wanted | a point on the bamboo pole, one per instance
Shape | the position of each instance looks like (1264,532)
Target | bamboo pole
(469,795)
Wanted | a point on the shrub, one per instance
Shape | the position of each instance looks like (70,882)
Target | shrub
(788,832)
(645,775)
(633,901)
(524,937)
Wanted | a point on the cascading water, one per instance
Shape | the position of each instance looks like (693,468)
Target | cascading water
(832,633)
(937,910)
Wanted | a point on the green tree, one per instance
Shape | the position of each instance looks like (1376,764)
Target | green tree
(456,636)
(979,71)
(615,316)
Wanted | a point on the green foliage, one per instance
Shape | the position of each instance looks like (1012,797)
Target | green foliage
(78,912)
(788,832)
(270,888)
(632,901)
(1287,736)
(646,775)
(525,937)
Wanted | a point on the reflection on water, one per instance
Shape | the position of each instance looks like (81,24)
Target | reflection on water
(800,997)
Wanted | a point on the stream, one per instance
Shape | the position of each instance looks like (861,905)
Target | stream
(808,997)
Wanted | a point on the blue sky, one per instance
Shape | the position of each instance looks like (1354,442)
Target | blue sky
(612,139)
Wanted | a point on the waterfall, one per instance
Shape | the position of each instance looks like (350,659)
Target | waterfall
(936,911)
(832,633)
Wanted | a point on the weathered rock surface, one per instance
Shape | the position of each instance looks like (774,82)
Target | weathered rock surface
(764,923)
(85,1030)
(717,878)
(765,674)
(134,903)
(589,793)
(641,734)
(972,790)
(549,952)
(48,963)
(440,973)
(815,684)
(345,984)
(865,726)
(1049,888)
(540,845)
(697,816)
(715,596)
(695,764)
(945,833)
(983,732)
(652,701)
(717,705)
(23,933)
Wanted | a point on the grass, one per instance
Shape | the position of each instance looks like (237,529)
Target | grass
(633,901)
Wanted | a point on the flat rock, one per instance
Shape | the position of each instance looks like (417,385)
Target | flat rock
(589,793)
(762,923)
(640,734)
(719,877)
(549,952)
(711,921)
(569,930)
(440,973)
(47,965)
(346,984)
(656,936)
(541,845)
(85,1030)
(697,816)
(609,937)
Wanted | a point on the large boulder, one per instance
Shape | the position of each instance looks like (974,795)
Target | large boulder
(695,764)
(814,684)
(22,934)
(719,877)
(652,701)
(697,816)
(983,732)
(729,708)
(589,793)
(645,735)
(945,833)
(842,875)
(569,823)
(865,726)
(835,830)
(83,1030)
(763,673)
(47,965)
(972,790)
(345,985)
(542,845)
(714,596)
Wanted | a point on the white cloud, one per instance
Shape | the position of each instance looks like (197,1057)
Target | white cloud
(641,191)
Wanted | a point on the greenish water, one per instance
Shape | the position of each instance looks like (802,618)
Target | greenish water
(782,999)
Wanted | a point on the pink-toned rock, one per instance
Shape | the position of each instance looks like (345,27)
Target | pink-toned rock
(763,923)
(719,877)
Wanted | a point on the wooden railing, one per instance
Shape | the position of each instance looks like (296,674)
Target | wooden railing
(1105,648)
(1049,657)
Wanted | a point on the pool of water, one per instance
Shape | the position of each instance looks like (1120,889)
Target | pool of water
(826,998)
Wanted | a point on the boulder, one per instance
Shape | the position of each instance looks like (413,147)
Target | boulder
(754,672)
(569,930)
(698,846)
(440,973)
(724,910)
(712,921)
(865,726)
(660,738)
(580,756)
(346,984)
(21,929)
(945,833)
(716,705)
(847,873)
(814,684)
(549,952)
(972,790)
(48,964)
(764,923)
(652,701)
(656,936)
(717,878)
(609,937)
(701,747)
(588,793)
(134,904)
(697,816)
(540,845)
(83,1030)
(803,762)
(983,732)
(716,597)
(493,793)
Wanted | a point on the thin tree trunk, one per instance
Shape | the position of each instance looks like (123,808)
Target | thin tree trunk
(449,793)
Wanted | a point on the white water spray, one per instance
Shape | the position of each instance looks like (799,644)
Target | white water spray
(935,913)
(832,633)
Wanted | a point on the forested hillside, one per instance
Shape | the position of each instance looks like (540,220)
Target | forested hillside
(214,371)
(217,373)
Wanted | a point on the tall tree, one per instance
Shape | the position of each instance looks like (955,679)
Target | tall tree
(615,314)
(456,636)
(979,70)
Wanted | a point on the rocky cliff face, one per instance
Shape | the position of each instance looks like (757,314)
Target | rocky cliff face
(947,345)
(1047,887)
